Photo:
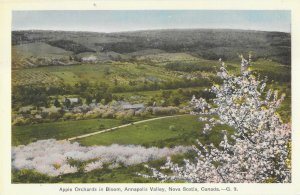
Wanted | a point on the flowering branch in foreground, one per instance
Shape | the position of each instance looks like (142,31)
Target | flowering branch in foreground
(258,151)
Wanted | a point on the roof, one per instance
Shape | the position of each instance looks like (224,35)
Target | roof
(134,106)
(73,100)
(89,58)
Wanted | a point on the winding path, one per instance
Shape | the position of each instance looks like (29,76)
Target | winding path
(121,126)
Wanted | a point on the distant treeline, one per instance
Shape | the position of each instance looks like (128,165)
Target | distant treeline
(189,67)
(70,46)
(208,44)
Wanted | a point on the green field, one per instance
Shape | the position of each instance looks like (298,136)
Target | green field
(59,130)
(139,72)
(178,130)
(40,49)
(108,73)
(181,130)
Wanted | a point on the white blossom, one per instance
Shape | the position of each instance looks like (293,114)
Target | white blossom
(258,151)
(52,157)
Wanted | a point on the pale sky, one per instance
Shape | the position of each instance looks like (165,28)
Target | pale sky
(116,20)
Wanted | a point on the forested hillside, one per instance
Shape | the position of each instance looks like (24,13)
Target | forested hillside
(207,44)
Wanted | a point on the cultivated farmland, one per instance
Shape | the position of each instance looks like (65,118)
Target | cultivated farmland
(69,84)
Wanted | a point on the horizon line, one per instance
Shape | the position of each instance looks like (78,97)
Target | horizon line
(151,29)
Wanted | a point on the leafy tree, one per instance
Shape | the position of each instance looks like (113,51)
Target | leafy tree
(115,82)
(176,100)
(132,83)
(98,97)
(57,103)
(166,94)
(67,103)
(88,99)
(82,87)
(108,98)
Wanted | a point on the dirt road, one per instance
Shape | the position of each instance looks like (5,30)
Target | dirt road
(121,126)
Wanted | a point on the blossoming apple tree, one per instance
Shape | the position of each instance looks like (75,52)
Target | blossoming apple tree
(258,149)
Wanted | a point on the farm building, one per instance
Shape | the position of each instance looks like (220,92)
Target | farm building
(72,100)
(89,59)
(133,106)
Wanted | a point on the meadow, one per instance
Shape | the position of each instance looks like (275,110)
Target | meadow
(59,130)
(180,130)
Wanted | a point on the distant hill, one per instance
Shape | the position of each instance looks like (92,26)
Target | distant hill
(68,47)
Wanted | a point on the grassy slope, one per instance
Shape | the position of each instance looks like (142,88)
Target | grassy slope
(40,49)
(59,130)
(155,133)
(34,76)
(146,133)
(125,71)
(95,73)
(122,71)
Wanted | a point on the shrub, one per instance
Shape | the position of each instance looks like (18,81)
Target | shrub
(172,128)
(108,114)
(165,110)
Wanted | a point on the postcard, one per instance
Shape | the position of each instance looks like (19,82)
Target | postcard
(149,97)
